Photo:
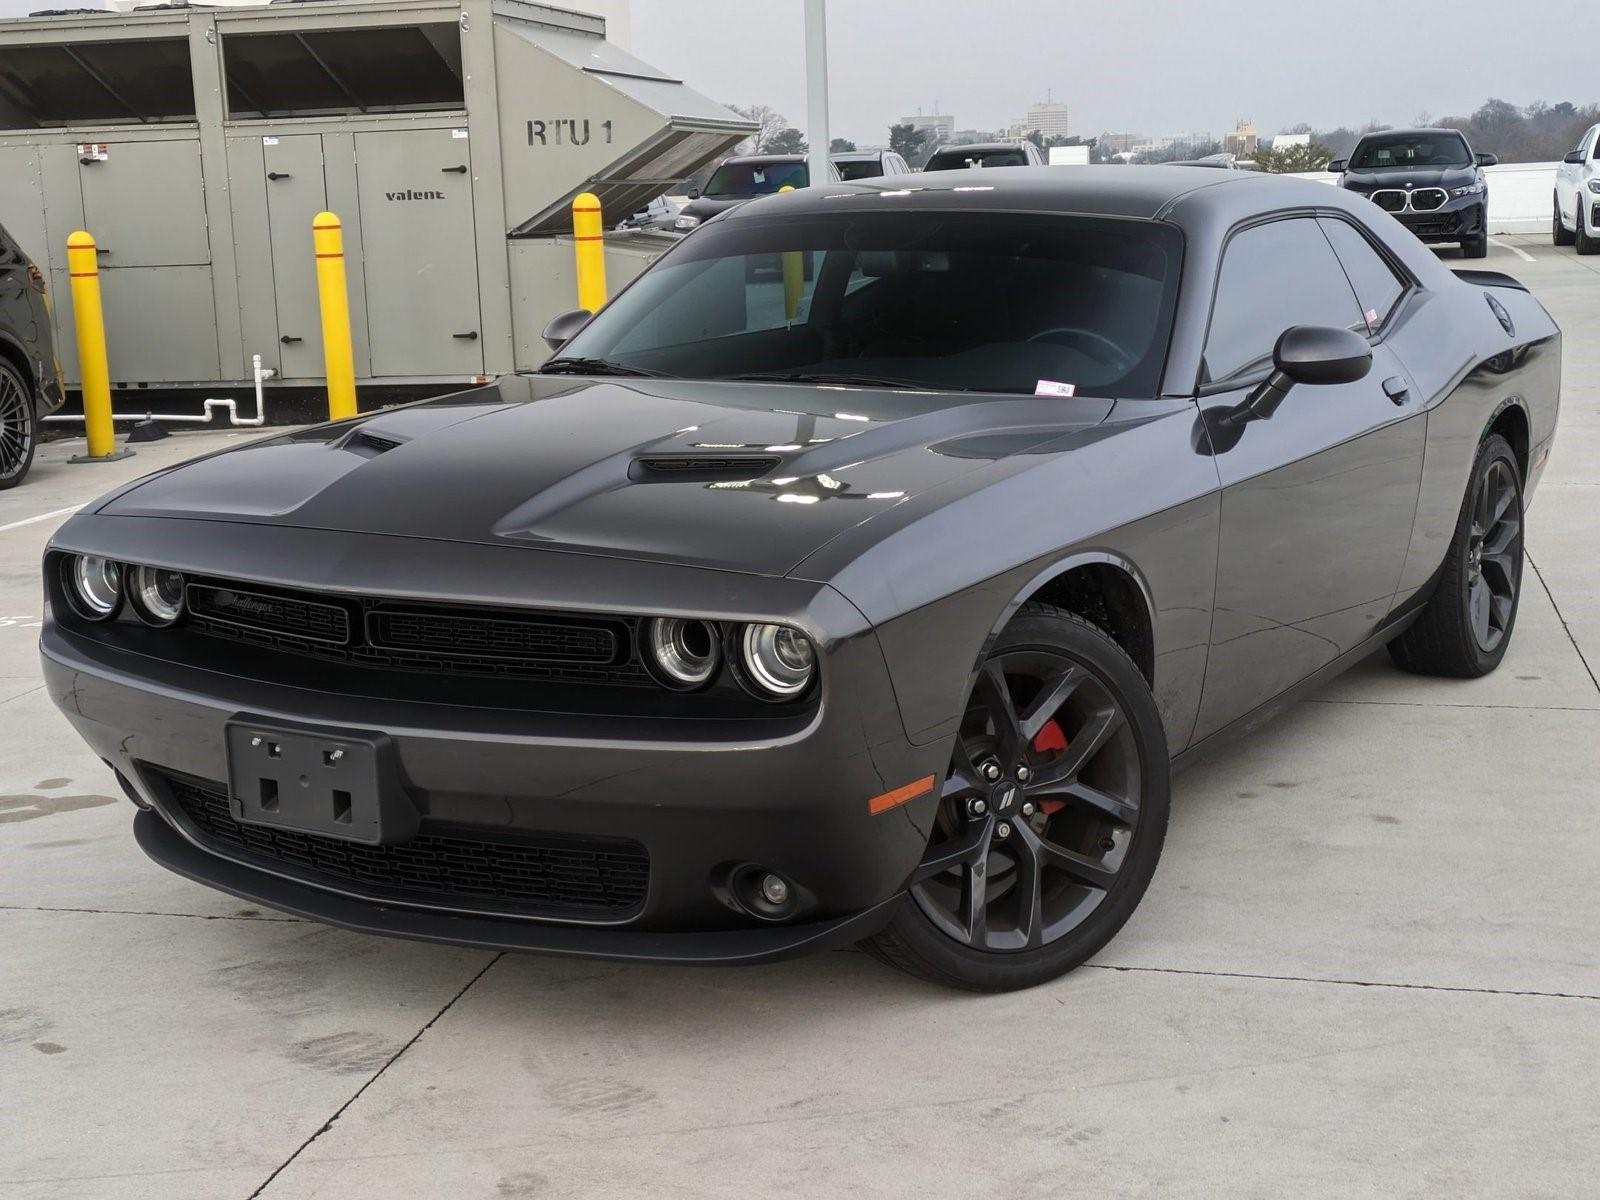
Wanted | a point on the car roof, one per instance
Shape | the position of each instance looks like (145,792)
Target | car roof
(1417,132)
(1091,190)
(859,155)
(764,158)
(983,147)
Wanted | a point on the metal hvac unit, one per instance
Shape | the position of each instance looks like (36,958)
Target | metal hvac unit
(197,145)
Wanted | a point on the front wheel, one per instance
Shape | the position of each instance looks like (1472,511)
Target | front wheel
(1560,235)
(1465,628)
(1052,816)
(1477,247)
(1586,242)
(16,426)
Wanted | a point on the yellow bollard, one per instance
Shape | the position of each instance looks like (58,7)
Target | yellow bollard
(589,241)
(794,275)
(84,269)
(327,239)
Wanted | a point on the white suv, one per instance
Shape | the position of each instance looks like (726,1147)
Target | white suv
(1578,196)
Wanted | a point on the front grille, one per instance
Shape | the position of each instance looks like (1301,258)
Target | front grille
(1428,199)
(533,874)
(491,637)
(271,612)
(1390,201)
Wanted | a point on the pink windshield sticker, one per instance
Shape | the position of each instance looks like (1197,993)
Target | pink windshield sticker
(1372,316)
(1049,387)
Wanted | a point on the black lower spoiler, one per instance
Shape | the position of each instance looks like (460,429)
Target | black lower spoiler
(1489,279)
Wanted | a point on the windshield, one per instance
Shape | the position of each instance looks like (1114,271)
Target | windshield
(859,168)
(981,301)
(756,179)
(960,160)
(1402,150)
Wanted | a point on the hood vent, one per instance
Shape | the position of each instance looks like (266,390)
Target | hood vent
(370,445)
(701,468)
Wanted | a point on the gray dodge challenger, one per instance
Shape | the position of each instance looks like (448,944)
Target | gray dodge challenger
(859,574)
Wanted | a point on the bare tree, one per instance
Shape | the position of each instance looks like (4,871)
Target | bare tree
(769,124)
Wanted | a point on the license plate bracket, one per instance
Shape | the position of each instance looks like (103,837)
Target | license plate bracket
(334,783)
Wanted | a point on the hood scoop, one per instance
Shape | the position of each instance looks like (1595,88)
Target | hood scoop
(369,444)
(700,468)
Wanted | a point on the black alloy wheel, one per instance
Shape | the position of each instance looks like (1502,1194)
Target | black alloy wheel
(1051,817)
(16,427)
(1560,235)
(1494,554)
(1464,630)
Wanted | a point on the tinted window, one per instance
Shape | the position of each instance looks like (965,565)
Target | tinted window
(1377,287)
(982,301)
(331,71)
(1274,276)
(756,179)
(1398,150)
(958,160)
(860,168)
(119,82)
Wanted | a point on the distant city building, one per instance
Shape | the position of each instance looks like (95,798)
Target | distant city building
(1047,118)
(1283,141)
(1242,141)
(940,128)
(1121,143)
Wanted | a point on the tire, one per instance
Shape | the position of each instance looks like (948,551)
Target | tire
(1560,235)
(1477,247)
(1587,242)
(1089,813)
(18,426)
(1449,637)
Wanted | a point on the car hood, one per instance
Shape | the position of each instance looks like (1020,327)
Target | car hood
(736,476)
(1414,177)
(705,207)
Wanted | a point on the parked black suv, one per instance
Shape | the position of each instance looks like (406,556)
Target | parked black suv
(984,154)
(1429,179)
(30,375)
(744,177)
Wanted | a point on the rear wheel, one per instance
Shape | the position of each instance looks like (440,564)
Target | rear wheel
(16,426)
(1559,233)
(1051,819)
(1466,627)
(1587,242)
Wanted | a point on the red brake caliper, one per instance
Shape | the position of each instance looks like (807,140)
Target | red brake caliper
(1050,740)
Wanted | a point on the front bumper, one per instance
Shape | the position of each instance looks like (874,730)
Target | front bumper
(703,798)
(1461,217)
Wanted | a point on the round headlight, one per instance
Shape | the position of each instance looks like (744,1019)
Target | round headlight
(684,653)
(96,585)
(157,594)
(779,660)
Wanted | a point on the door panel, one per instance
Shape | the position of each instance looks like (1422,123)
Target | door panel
(1317,510)
(420,252)
(161,325)
(146,206)
(292,169)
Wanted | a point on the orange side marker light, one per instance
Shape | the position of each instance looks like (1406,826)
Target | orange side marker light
(894,799)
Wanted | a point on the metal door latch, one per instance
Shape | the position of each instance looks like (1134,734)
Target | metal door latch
(1396,389)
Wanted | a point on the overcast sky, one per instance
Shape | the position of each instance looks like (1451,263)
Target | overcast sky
(1145,66)
(1148,66)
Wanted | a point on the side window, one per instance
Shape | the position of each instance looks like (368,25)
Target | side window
(1595,148)
(1377,287)
(1274,276)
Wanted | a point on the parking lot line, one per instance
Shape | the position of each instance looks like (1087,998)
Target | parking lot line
(60,512)
(1517,250)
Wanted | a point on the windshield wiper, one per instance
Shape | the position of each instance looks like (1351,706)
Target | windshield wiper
(840,377)
(597,366)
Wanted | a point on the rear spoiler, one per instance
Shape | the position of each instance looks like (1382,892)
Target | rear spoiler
(1489,279)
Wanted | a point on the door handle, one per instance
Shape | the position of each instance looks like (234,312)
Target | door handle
(461,170)
(101,250)
(289,339)
(278,175)
(1397,389)
(470,336)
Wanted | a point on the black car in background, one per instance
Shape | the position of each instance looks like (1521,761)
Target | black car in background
(984,154)
(1429,179)
(30,376)
(744,177)
(868,164)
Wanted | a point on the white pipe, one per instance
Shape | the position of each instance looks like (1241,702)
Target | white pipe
(817,91)
(212,403)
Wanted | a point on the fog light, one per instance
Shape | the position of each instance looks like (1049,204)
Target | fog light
(774,891)
(96,585)
(780,660)
(683,653)
(157,594)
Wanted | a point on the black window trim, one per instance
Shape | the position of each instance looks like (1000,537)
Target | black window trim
(1375,338)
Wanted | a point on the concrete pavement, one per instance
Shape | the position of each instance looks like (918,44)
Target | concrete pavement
(1368,966)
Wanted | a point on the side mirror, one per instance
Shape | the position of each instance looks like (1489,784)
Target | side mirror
(1488,160)
(1338,165)
(1575,158)
(693,193)
(1310,354)
(560,330)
